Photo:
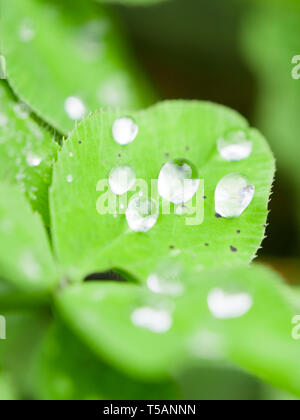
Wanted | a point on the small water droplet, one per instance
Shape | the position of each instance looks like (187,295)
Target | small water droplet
(233,195)
(155,320)
(225,305)
(75,108)
(69,178)
(177,181)
(33,160)
(124,130)
(166,283)
(29,266)
(27,31)
(71,154)
(3,120)
(22,110)
(121,179)
(235,145)
(141,214)
(2,67)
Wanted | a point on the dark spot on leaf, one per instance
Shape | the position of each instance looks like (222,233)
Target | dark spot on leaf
(107,275)
(218,215)
(233,249)
(167,155)
(79,142)
(172,247)
(187,148)
(238,231)
(206,244)
(119,155)
(204,197)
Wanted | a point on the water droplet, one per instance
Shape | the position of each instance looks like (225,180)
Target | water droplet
(75,108)
(22,110)
(121,179)
(224,305)
(71,154)
(27,31)
(235,145)
(3,120)
(233,195)
(70,178)
(117,91)
(29,266)
(141,214)
(2,67)
(155,320)
(124,130)
(165,283)
(33,160)
(177,181)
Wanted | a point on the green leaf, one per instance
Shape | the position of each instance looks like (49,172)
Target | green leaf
(25,256)
(27,151)
(92,379)
(87,242)
(133,2)
(260,340)
(6,391)
(72,49)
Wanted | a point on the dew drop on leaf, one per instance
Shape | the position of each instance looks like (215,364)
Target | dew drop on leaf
(3,120)
(155,320)
(141,214)
(27,31)
(75,108)
(70,178)
(235,145)
(22,110)
(177,181)
(121,179)
(233,195)
(124,130)
(225,305)
(165,283)
(33,160)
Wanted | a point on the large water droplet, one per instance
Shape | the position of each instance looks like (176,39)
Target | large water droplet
(235,145)
(177,181)
(141,214)
(156,320)
(121,179)
(75,108)
(224,305)
(233,195)
(124,130)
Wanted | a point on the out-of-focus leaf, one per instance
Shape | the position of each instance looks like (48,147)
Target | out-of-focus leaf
(88,242)
(68,58)
(27,151)
(133,2)
(25,256)
(67,369)
(25,331)
(272,60)
(150,335)
(6,391)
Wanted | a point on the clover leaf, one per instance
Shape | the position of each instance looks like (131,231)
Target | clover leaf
(87,242)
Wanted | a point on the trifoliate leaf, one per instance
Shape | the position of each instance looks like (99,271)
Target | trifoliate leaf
(240,315)
(87,241)
(68,58)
